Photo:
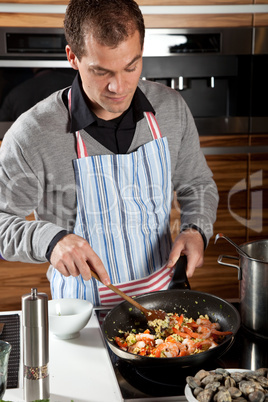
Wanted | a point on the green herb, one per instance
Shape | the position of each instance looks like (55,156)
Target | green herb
(220,305)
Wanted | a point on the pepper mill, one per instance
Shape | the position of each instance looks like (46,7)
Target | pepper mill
(35,346)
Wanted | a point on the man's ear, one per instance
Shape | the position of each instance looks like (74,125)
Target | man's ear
(71,57)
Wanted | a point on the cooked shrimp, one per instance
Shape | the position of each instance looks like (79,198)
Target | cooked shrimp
(136,347)
(204,331)
(145,337)
(182,349)
(221,333)
(206,344)
(166,349)
(190,344)
(206,322)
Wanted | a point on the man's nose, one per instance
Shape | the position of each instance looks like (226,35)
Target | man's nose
(116,84)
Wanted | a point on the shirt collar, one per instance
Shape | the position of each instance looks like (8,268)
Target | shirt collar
(82,116)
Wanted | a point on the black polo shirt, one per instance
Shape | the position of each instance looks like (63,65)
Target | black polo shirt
(116,134)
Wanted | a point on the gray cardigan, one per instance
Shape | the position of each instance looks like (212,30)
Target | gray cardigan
(36,171)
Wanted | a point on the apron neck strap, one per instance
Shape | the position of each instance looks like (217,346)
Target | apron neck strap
(153,125)
(81,148)
(80,145)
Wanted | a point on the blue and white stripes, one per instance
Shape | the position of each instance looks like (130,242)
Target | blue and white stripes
(123,209)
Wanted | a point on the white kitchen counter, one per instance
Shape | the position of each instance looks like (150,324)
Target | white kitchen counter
(80,370)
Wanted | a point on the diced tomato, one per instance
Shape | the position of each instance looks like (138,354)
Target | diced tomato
(120,343)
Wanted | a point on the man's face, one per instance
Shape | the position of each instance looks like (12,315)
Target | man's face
(109,75)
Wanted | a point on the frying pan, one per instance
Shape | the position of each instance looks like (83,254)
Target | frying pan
(191,303)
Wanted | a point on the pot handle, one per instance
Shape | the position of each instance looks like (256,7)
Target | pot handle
(230,265)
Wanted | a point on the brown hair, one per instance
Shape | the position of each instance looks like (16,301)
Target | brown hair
(110,21)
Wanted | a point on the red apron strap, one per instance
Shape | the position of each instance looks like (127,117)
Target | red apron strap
(153,125)
(80,145)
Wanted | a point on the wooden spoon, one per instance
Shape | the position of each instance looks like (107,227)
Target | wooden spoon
(150,315)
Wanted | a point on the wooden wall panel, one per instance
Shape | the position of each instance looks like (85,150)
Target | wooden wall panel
(197,20)
(258,199)
(260,1)
(224,140)
(191,2)
(260,19)
(17,279)
(151,20)
(258,139)
(147,2)
(31,20)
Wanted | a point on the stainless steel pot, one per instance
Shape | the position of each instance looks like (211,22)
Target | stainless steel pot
(253,276)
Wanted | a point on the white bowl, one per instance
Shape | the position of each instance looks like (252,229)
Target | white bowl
(68,316)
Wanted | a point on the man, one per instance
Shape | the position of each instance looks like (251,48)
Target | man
(98,163)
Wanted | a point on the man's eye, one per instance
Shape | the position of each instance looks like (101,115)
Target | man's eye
(100,72)
(131,70)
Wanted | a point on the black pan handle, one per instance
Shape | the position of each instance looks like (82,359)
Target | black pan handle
(179,279)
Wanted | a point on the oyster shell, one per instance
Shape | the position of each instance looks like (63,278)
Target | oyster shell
(234,386)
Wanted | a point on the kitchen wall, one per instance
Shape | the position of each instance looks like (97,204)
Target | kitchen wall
(228,167)
(159,13)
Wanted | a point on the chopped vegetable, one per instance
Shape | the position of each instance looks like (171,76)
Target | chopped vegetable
(175,336)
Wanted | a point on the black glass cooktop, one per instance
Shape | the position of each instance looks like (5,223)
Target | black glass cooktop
(167,383)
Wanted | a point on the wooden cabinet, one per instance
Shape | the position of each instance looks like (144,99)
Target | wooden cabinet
(197,20)
(260,1)
(228,171)
(17,279)
(258,183)
(260,20)
(152,2)
(47,20)
(258,199)
(242,180)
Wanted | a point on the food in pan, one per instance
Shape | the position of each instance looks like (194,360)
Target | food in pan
(175,336)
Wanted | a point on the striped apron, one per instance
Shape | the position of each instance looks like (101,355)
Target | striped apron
(123,210)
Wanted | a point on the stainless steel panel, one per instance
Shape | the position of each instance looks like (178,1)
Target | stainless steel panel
(222,125)
(234,41)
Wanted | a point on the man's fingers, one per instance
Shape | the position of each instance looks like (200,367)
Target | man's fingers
(73,255)
(96,265)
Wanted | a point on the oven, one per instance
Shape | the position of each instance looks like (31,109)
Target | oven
(221,73)
(33,65)
(259,109)
(211,68)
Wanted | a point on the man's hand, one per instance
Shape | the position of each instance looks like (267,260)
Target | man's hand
(189,243)
(72,255)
